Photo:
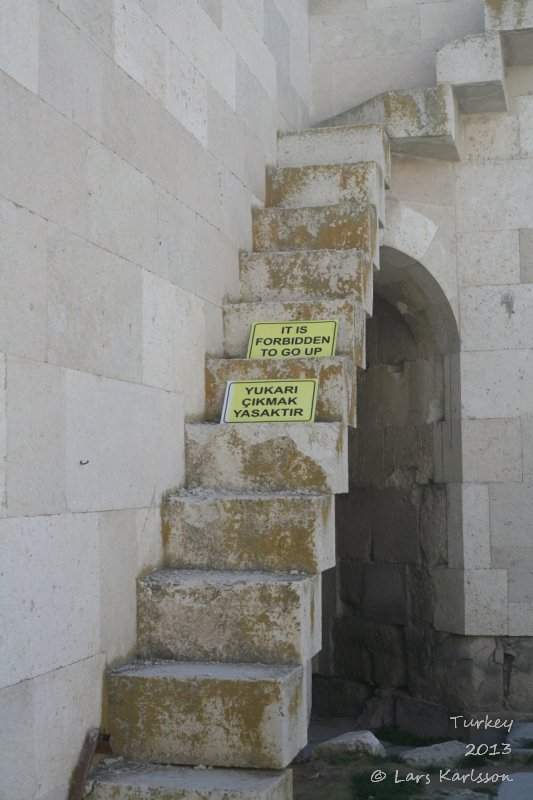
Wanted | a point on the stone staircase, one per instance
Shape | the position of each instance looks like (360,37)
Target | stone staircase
(228,628)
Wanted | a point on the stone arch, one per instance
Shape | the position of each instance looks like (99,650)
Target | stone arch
(396,529)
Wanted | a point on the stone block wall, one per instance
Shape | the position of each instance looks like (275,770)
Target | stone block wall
(360,48)
(134,137)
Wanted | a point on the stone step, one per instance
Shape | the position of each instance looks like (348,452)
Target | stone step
(514,20)
(420,122)
(238,617)
(295,457)
(232,715)
(118,779)
(346,145)
(474,66)
(239,318)
(301,275)
(328,184)
(337,387)
(212,530)
(339,227)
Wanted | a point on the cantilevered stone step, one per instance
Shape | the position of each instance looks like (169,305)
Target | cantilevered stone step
(337,376)
(306,275)
(232,715)
(329,184)
(337,227)
(118,779)
(474,66)
(346,145)
(298,456)
(239,318)
(514,20)
(277,531)
(239,617)
(423,122)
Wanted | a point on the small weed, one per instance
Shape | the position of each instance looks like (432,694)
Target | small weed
(399,737)
(364,789)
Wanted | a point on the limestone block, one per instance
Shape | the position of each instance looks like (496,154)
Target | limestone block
(385,593)
(490,138)
(328,184)
(141,48)
(474,67)
(520,619)
(72,71)
(186,93)
(231,715)
(468,526)
(35,438)
(492,450)
(509,310)
(46,174)
(23,280)
(173,341)
(352,743)
(242,617)
(526,255)
(239,318)
(3,437)
(508,14)
(324,227)
(132,119)
(95,21)
(511,509)
(497,383)
(339,36)
(449,611)
(306,457)
(525,118)
(50,593)
(277,37)
(444,22)
(424,181)
(346,145)
(293,276)
(483,205)
(19,51)
(520,584)
(337,382)
(67,701)
(118,568)
(236,220)
(486,602)
(255,107)
(117,779)
(239,31)
(121,206)
(420,122)
(149,538)
(447,754)
(299,65)
(250,532)
(488,257)
(94,308)
(123,443)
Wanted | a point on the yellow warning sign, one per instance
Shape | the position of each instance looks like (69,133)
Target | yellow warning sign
(270,401)
(299,339)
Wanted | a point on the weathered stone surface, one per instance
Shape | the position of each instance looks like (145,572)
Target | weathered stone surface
(508,15)
(242,617)
(420,122)
(385,593)
(337,381)
(304,275)
(117,779)
(492,451)
(327,184)
(343,226)
(360,742)
(474,67)
(307,457)
(419,716)
(471,601)
(230,715)
(207,530)
(447,754)
(238,321)
(335,145)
